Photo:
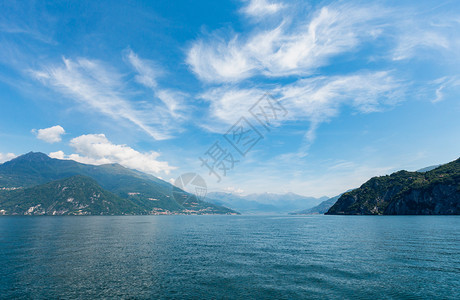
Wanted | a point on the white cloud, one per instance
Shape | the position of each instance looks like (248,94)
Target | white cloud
(174,101)
(227,105)
(6,157)
(58,154)
(82,159)
(103,90)
(306,40)
(319,98)
(296,49)
(233,190)
(316,99)
(221,61)
(415,37)
(97,149)
(50,135)
(439,92)
(148,72)
(444,84)
(260,8)
(412,41)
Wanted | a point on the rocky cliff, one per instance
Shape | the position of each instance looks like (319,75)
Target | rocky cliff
(435,192)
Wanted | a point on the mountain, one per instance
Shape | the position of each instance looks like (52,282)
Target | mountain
(77,195)
(428,168)
(320,209)
(146,191)
(435,192)
(239,203)
(266,203)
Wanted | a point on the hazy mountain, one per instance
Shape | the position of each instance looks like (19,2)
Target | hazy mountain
(239,203)
(148,192)
(320,209)
(428,168)
(435,192)
(266,203)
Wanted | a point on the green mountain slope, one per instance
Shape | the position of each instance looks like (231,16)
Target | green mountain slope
(146,191)
(77,195)
(435,192)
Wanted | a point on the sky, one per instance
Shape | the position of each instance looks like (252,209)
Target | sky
(310,97)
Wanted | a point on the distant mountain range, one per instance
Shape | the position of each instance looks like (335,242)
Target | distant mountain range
(428,168)
(430,191)
(35,184)
(265,203)
(319,209)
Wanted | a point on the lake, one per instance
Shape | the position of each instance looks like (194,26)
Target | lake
(244,257)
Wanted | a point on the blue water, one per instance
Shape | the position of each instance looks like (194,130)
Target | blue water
(225,257)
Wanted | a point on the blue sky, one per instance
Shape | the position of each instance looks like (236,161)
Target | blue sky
(367,88)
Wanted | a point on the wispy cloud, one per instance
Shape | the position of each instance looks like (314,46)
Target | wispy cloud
(50,135)
(226,105)
(146,69)
(19,19)
(320,98)
(315,100)
(299,46)
(444,84)
(102,89)
(97,149)
(148,72)
(260,8)
(288,59)
(438,35)
(288,49)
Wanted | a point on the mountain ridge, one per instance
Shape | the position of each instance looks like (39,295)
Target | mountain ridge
(434,192)
(319,209)
(76,195)
(264,203)
(36,168)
